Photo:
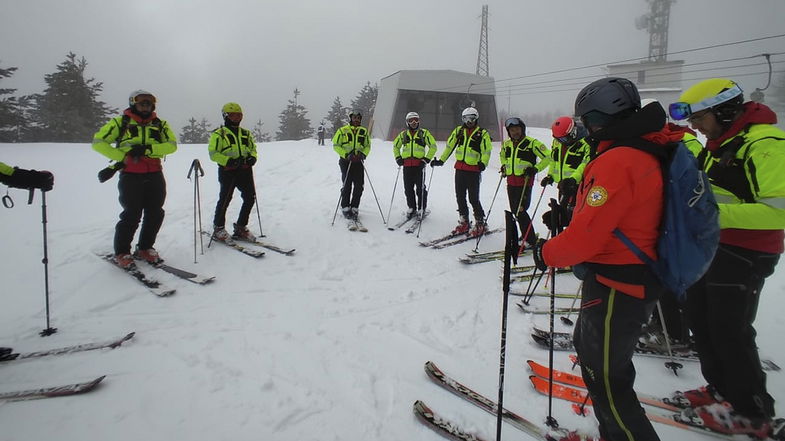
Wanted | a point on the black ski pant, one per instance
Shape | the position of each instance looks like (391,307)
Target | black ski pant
(468,182)
(140,194)
(414,186)
(520,198)
(241,179)
(353,178)
(321,139)
(605,336)
(721,308)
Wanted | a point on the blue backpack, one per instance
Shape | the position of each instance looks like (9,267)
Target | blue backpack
(689,230)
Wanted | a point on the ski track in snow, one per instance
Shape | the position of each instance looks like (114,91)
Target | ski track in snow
(328,344)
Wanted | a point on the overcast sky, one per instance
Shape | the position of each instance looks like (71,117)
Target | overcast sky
(195,55)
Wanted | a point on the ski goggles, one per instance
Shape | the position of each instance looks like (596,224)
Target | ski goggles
(513,122)
(413,120)
(682,110)
(565,140)
(144,99)
(469,118)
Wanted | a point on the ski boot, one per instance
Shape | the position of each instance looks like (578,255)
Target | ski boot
(150,255)
(462,227)
(479,228)
(220,234)
(702,396)
(241,232)
(721,418)
(124,261)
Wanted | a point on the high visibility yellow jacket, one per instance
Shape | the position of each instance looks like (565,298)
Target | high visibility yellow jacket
(692,143)
(412,144)
(516,157)
(6,169)
(568,161)
(226,143)
(155,133)
(471,147)
(351,139)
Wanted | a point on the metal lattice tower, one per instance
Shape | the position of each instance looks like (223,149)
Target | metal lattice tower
(656,22)
(482,54)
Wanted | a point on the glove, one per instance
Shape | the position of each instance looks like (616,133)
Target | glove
(530,172)
(138,150)
(568,187)
(546,181)
(233,163)
(250,161)
(399,161)
(503,170)
(539,262)
(437,163)
(29,179)
(482,166)
(426,160)
(107,173)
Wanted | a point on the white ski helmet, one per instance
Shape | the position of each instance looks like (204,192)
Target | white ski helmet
(470,114)
(411,115)
(139,92)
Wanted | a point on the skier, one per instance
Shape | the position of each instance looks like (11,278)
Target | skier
(521,157)
(352,142)
(27,179)
(320,133)
(472,146)
(622,188)
(744,159)
(409,151)
(569,156)
(141,141)
(234,150)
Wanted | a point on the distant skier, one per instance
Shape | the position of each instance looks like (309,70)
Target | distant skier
(141,140)
(472,146)
(521,157)
(352,142)
(233,148)
(320,133)
(409,150)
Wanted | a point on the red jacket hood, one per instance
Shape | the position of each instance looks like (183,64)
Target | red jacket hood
(130,113)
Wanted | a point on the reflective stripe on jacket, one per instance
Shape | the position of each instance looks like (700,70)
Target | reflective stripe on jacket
(517,157)
(155,133)
(350,139)
(225,144)
(568,163)
(410,144)
(471,146)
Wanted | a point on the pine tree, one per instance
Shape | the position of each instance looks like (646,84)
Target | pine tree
(258,134)
(365,101)
(8,110)
(335,117)
(69,110)
(195,133)
(294,124)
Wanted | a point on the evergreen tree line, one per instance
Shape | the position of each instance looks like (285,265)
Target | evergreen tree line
(69,110)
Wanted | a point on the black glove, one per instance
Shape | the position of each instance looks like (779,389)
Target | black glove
(233,163)
(426,160)
(29,179)
(530,172)
(399,161)
(546,181)
(539,262)
(107,173)
(437,163)
(568,187)
(138,150)
(250,161)
(482,166)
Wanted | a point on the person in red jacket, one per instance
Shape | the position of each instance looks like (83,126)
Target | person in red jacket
(622,188)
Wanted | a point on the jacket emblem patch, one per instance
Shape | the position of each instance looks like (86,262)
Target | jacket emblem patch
(597,196)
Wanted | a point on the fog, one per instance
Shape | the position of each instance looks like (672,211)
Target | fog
(196,55)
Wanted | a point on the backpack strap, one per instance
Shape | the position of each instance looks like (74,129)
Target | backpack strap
(123,127)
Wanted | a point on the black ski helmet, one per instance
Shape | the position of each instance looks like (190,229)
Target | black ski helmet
(605,100)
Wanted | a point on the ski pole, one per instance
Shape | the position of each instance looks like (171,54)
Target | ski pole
(550,420)
(479,238)
(49,329)
(374,194)
(197,166)
(424,199)
(510,255)
(566,320)
(392,198)
(258,216)
(672,364)
(343,187)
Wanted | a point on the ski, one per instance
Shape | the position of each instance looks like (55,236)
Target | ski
(569,379)
(526,277)
(417,222)
(563,342)
(542,311)
(439,240)
(558,295)
(154,286)
(269,246)
(236,246)
(51,392)
(183,274)
(441,425)
(403,222)
(111,344)
(579,396)
(467,238)
(535,430)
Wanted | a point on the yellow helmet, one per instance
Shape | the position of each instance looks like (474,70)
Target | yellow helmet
(705,95)
(231,108)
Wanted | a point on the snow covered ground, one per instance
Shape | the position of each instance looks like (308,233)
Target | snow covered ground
(326,345)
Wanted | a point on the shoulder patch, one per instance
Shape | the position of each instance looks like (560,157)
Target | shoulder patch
(596,196)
